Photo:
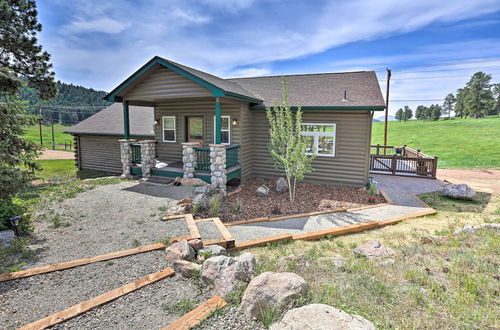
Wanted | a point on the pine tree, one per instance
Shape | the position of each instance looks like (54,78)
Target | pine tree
(496,95)
(460,108)
(448,104)
(479,98)
(22,60)
(407,113)
(420,112)
(400,115)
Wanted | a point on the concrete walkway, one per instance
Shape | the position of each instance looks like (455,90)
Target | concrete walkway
(407,184)
(404,204)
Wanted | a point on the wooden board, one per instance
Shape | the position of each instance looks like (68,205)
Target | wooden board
(195,234)
(367,207)
(262,241)
(225,233)
(194,317)
(87,305)
(180,238)
(80,262)
(386,197)
(221,242)
(424,204)
(405,217)
(173,217)
(337,231)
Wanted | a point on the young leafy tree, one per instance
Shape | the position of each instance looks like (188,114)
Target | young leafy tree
(400,115)
(407,113)
(479,98)
(21,59)
(287,145)
(448,104)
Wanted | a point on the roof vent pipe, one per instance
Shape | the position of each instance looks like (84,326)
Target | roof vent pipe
(345,95)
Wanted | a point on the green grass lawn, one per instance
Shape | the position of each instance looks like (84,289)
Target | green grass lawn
(33,134)
(459,143)
(57,169)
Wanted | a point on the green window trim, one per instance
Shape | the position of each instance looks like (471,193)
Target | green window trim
(223,130)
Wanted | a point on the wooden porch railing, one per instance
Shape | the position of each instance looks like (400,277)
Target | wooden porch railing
(402,160)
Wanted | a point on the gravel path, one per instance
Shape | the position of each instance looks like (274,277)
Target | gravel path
(106,219)
(56,154)
(230,319)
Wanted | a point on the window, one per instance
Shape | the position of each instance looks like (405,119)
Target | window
(320,139)
(168,125)
(225,135)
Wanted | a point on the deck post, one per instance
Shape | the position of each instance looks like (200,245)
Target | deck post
(218,121)
(126,121)
(218,176)
(148,157)
(126,157)
(189,159)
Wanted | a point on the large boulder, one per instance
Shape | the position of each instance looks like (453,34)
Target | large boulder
(374,249)
(458,191)
(179,251)
(281,185)
(186,268)
(270,290)
(262,191)
(196,244)
(6,237)
(226,273)
(201,200)
(321,317)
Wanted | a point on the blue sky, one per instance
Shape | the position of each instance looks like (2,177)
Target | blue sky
(99,43)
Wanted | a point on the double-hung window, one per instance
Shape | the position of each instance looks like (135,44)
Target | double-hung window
(320,139)
(168,128)
(225,134)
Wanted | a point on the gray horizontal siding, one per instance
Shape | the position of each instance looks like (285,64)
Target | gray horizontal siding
(169,151)
(348,167)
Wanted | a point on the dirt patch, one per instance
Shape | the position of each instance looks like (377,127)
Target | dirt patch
(484,180)
(245,204)
(56,154)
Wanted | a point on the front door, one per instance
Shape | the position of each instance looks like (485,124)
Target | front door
(195,130)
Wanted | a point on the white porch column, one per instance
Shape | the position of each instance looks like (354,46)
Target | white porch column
(218,166)
(126,157)
(189,158)
(148,157)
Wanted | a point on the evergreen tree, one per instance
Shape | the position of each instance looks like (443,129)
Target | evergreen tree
(434,112)
(479,98)
(407,113)
(460,108)
(400,115)
(448,104)
(496,95)
(420,112)
(20,57)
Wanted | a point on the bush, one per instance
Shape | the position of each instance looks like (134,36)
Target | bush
(13,208)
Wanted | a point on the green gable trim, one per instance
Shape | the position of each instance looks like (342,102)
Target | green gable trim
(242,97)
(327,108)
(216,91)
(120,135)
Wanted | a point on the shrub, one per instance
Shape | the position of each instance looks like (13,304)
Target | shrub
(215,202)
(12,208)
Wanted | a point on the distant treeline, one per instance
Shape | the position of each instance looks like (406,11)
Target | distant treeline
(72,104)
(478,98)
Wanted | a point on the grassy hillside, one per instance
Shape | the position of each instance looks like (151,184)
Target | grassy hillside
(33,134)
(459,143)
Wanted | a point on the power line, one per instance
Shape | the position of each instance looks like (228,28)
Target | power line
(428,100)
(440,64)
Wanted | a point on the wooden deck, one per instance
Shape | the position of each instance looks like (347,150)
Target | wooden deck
(409,162)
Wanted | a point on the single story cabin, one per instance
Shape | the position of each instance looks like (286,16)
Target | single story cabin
(172,120)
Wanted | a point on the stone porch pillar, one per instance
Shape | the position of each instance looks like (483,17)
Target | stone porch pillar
(148,157)
(218,166)
(126,156)
(189,159)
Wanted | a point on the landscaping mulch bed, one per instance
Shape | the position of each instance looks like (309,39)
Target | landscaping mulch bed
(243,203)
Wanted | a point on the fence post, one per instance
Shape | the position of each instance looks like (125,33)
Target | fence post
(404,150)
(418,153)
(378,149)
(393,164)
(434,168)
(70,145)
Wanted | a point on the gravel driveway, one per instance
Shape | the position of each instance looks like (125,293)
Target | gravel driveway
(106,219)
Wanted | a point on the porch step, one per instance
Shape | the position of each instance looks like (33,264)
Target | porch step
(160,180)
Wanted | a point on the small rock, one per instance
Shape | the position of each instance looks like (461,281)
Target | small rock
(192,182)
(321,317)
(6,237)
(200,189)
(281,185)
(179,250)
(178,209)
(459,191)
(374,249)
(488,226)
(214,250)
(185,201)
(262,191)
(201,200)
(429,239)
(271,290)
(196,244)
(467,229)
(186,268)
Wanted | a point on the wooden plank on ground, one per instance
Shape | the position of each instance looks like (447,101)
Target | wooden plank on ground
(386,197)
(194,317)
(424,204)
(367,207)
(341,230)
(173,217)
(80,262)
(221,242)
(205,220)
(180,238)
(87,305)
(225,233)
(398,219)
(193,229)
(262,241)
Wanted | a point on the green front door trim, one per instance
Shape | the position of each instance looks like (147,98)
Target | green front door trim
(126,121)
(216,91)
(218,121)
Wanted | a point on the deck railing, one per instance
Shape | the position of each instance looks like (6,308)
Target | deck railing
(232,155)
(136,153)
(402,160)
(202,159)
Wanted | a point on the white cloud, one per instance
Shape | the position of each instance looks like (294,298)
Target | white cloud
(104,25)
(249,72)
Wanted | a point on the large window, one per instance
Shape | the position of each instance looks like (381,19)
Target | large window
(168,127)
(320,139)
(225,135)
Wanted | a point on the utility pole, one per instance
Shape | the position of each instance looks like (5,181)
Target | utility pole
(40,123)
(53,141)
(387,106)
